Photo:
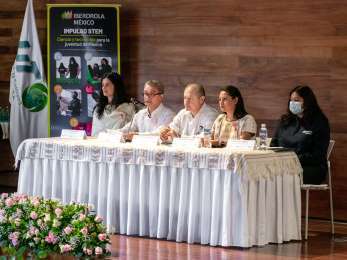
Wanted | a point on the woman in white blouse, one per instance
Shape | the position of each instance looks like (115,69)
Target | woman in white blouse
(113,109)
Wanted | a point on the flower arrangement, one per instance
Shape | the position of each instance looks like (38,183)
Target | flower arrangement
(43,227)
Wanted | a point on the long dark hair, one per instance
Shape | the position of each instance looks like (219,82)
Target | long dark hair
(119,94)
(310,106)
(240,110)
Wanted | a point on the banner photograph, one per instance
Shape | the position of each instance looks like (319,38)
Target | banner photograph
(83,45)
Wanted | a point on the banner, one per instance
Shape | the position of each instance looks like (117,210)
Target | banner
(28,91)
(83,45)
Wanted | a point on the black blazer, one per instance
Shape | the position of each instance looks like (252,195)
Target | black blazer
(309,140)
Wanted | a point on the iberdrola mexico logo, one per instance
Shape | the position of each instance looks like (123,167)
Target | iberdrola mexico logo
(67,15)
(34,96)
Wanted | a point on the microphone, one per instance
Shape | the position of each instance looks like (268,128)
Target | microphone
(136,102)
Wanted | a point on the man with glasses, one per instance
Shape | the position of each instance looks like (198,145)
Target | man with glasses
(196,115)
(154,116)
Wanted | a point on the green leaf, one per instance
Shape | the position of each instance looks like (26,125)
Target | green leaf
(20,252)
(3,257)
(11,251)
(42,254)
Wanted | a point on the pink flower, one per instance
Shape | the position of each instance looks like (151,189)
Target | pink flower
(33,231)
(4,196)
(15,197)
(13,235)
(51,239)
(102,237)
(2,218)
(14,238)
(58,211)
(82,217)
(84,231)
(23,198)
(68,230)
(33,215)
(35,201)
(98,219)
(14,242)
(65,248)
(98,250)
(9,202)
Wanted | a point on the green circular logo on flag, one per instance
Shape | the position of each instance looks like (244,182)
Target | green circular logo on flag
(35,97)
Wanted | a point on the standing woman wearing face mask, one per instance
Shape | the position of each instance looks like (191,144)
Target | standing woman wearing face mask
(305,129)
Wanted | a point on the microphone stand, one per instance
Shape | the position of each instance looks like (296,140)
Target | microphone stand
(134,102)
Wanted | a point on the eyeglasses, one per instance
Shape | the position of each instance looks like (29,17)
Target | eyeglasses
(151,95)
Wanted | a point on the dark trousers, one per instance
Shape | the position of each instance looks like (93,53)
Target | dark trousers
(314,174)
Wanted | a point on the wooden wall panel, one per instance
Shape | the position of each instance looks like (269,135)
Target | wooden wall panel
(263,47)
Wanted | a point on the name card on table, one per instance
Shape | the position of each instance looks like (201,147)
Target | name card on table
(243,145)
(111,136)
(145,140)
(73,134)
(186,142)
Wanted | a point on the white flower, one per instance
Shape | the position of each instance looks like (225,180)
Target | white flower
(47,217)
(98,219)
(56,223)
(58,212)
(98,250)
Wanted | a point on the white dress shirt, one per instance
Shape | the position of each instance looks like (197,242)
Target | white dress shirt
(114,119)
(144,121)
(185,124)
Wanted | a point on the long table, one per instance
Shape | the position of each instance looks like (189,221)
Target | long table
(198,195)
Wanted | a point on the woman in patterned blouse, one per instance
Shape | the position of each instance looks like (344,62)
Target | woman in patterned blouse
(234,122)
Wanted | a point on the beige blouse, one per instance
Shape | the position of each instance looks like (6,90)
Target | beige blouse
(223,129)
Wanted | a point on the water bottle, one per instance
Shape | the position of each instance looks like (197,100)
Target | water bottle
(207,138)
(262,137)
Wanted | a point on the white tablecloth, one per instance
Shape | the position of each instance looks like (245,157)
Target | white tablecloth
(207,196)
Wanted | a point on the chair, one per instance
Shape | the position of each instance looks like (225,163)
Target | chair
(328,186)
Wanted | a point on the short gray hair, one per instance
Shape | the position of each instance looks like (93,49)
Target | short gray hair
(198,89)
(156,84)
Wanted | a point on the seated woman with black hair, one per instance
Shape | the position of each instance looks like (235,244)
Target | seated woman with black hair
(235,122)
(305,129)
(113,109)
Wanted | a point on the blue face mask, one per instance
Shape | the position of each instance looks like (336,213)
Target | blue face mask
(295,107)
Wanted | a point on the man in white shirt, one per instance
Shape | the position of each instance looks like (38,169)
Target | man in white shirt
(195,116)
(154,116)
